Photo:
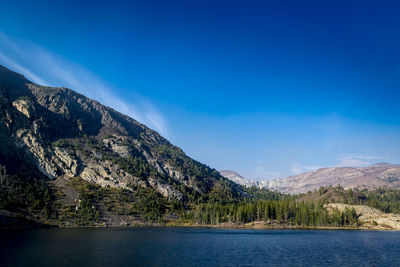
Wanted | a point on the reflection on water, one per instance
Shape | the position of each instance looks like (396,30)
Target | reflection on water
(197,247)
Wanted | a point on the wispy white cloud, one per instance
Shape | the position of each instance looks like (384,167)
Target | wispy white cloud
(357,160)
(348,160)
(46,68)
(262,173)
(298,168)
(18,68)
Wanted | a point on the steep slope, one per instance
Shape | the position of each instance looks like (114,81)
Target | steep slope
(56,132)
(378,175)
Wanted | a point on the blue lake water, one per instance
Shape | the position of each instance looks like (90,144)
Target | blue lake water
(197,247)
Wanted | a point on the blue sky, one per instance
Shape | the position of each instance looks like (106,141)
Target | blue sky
(266,88)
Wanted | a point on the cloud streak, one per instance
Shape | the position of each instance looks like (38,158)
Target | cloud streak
(357,160)
(46,68)
(349,160)
(14,65)
(298,168)
(261,173)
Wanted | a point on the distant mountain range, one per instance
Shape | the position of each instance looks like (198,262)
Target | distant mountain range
(377,175)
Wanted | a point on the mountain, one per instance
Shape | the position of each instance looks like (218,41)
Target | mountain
(67,160)
(59,135)
(377,175)
(237,178)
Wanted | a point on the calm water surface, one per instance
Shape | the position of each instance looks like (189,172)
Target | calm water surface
(197,247)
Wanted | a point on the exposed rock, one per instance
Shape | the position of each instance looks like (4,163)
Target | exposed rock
(26,107)
(35,150)
(119,146)
(69,165)
(166,190)
(108,174)
(370,217)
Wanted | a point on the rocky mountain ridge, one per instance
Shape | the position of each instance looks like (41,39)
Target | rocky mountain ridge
(56,132)
(377,175)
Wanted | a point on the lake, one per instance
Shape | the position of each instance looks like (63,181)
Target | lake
(197,247)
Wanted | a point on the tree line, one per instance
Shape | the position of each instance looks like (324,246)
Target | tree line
(287,211)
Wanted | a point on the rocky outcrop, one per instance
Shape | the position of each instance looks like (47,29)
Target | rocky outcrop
(68,164)
(37,152)
(107,174)
(119,146)
(368,217)
(26,107)
(165,189)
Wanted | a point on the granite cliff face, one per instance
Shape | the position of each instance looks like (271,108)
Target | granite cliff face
(378,175)
(56,132)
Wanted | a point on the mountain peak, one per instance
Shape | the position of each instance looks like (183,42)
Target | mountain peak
(57,132)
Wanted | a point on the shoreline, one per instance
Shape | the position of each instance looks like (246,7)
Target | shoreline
(9,221)
(202,226)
